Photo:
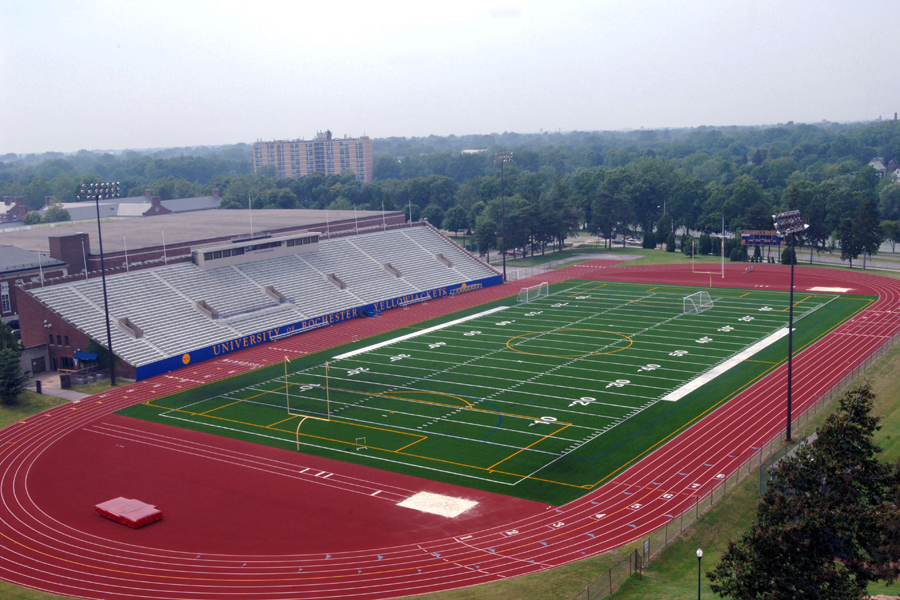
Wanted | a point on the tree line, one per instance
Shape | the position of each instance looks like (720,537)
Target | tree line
(614,184)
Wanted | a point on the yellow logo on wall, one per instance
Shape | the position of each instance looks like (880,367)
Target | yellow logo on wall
(186,358)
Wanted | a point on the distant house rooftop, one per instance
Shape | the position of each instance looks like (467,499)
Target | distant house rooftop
(878,164)
(147,205)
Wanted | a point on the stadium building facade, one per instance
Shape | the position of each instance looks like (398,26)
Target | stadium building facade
(297,158)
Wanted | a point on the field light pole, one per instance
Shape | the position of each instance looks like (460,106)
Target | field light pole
(790,223)
(502,157)
(699,570)
(96,192)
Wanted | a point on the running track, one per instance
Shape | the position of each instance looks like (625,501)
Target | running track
(249,522)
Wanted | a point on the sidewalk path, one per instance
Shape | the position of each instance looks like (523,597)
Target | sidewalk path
(50,386)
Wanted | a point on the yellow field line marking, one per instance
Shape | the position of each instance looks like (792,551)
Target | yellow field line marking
(747,294)
(388,395)
(280,422)
(528,446)
(411,444)
(509,341)
(221,407)
(653,288)
(795,304)
(766,362)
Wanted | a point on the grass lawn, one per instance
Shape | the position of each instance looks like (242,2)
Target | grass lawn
(30,403)
(95,388)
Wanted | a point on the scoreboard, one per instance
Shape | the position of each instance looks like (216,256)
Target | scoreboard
(761,237)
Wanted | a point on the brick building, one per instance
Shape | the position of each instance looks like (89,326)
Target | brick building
(297,158)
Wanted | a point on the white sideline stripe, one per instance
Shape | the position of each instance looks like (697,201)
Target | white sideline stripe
(724,366)
(409,336)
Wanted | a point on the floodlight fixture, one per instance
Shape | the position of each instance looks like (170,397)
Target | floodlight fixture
(789,223)
(502,157)
(97,192)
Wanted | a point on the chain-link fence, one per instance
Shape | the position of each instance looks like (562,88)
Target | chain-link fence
(762,457)
(69,377)
(610,581)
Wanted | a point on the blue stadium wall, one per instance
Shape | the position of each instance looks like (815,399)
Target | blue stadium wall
(201,354)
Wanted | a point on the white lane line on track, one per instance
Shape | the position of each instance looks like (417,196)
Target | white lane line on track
(275,468)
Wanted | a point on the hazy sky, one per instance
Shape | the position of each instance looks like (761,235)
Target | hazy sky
(116,74)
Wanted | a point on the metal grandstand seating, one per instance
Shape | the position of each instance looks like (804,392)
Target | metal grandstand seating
(226,289)
(163,301)
(463,262)
(301,284)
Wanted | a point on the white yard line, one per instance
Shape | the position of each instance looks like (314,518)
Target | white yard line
(408,336)
(724,366)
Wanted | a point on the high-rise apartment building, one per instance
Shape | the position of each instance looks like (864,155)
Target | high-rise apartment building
(296,158)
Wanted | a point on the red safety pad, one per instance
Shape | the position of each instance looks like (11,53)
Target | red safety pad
(133,513)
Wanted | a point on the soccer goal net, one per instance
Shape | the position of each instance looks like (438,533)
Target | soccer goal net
(697,303)
(527,294)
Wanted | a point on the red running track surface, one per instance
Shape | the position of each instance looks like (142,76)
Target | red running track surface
(250,522)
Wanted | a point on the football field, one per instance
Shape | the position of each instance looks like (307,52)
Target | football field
(542,399)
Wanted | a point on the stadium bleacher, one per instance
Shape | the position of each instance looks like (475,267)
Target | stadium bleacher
(162,301)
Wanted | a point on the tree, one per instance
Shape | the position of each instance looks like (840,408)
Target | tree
(849,242)
(95,347)
(867,229)
(704,245)
(828,523)
(558,216)
(486,236)
(786,256)
(7,338)
(889,201)
(818,232)
(433,214)
(32,217)
(687,245)
(12,380)
(670,243)
(891,231)
(455,219)
(416,212)
(55,213)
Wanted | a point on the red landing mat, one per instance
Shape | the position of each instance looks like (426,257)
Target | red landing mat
(133,513)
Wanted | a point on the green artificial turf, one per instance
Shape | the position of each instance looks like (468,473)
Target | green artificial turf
(543,400)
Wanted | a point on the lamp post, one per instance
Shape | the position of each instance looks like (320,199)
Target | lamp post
(789,223)
(502,157)
(96,192)
(699,570)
